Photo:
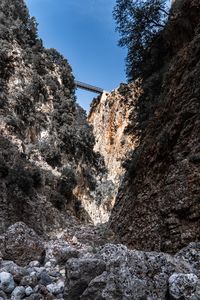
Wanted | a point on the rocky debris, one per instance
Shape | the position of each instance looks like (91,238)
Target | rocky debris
(21,244)
(82,270)
(114,272)
(41,282)
(79,273)
(157,206)
(34,268)
(59,251)
(191,254)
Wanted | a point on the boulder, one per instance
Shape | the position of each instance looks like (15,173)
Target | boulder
(7,283)
(21,244)
(79,274)
(18,293)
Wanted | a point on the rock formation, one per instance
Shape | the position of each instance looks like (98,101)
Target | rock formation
(112,117)
(50,169)
(158,206)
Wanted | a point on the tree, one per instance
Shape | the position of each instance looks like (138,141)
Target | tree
(138,21)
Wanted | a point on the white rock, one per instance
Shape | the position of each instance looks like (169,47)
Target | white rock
(33,273)
(39,270)
(34,263)
(28,291)
(48,264)
(56,288)
(7,283)
(18,293)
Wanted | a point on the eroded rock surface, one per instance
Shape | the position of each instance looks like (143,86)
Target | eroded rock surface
(158,207)
(111,116)
(50,170)
(21,244)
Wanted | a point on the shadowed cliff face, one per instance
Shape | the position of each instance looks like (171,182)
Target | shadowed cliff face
(158,204)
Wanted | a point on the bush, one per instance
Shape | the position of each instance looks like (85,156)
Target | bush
(3,168)
(57,200)
(21,178)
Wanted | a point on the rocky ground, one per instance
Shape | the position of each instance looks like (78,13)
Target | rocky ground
(84,263)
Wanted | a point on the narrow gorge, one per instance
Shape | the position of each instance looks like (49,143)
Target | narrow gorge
(102,206)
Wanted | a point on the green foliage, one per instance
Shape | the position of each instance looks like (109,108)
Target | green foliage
(138,21)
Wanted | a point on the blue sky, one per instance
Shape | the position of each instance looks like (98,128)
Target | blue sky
(84,32)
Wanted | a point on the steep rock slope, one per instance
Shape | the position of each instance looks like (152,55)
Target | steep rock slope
(111,116)
(45,141)
(158,205)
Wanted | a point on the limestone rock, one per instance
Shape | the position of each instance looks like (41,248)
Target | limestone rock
(56,288)
(50,169)
(191,254)
(111,115)
(28,291)
(21,244)
(60,251)
(157,206)
(79,274)
(18,293)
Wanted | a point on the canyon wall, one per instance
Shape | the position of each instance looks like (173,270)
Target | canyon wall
(158,207)
(47,164)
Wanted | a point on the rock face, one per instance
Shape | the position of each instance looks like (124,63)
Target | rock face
(50,169)
(21,244)
(111,116)
(158,205)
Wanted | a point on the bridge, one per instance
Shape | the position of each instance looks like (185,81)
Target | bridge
(88,87)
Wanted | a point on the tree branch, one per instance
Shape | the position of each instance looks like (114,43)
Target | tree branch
(163,10)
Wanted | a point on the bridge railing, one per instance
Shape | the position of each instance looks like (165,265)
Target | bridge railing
(88,87)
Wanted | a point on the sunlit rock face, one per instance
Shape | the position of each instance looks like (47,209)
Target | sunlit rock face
(114,123)
(111,116)
(157,207)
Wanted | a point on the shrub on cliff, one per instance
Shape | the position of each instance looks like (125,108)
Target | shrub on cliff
(138,21)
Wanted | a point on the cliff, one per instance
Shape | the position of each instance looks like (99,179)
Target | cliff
(110,117)
(47,163)
(157,207)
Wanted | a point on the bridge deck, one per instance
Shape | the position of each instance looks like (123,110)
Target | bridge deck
(88,87)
